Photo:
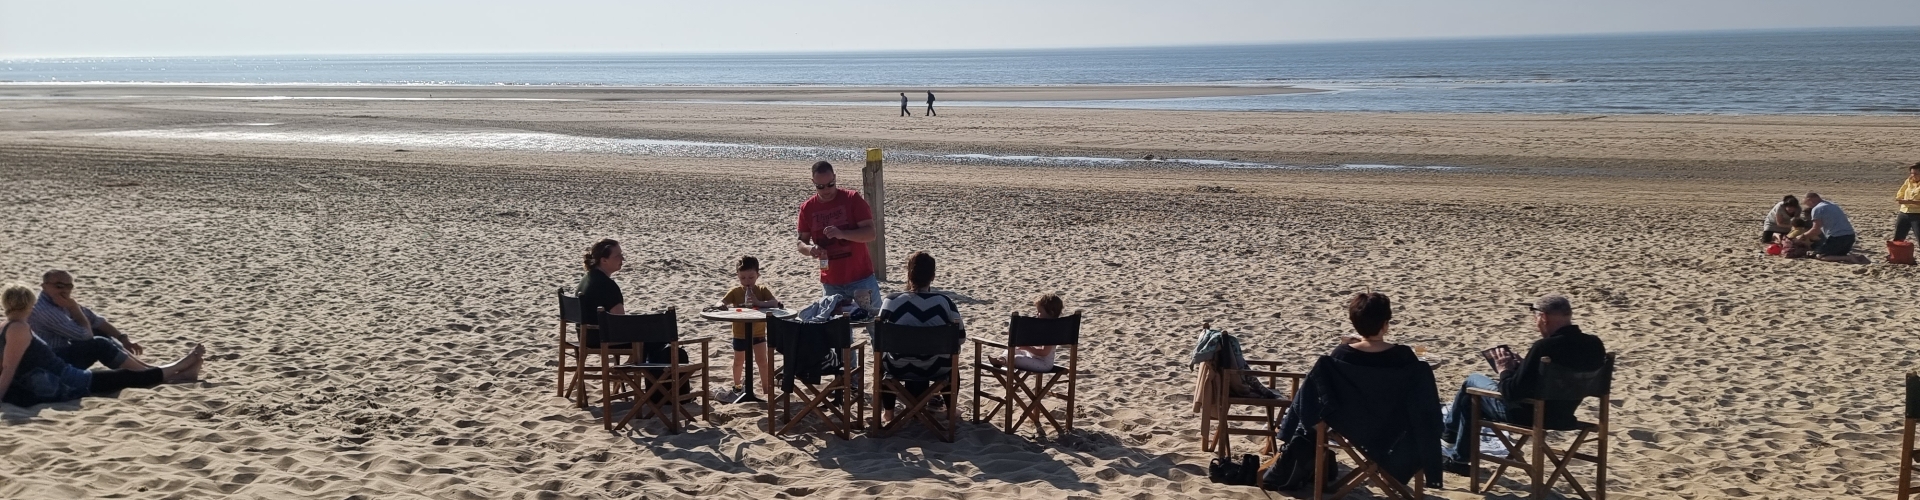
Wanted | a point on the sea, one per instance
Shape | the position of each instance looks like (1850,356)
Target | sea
(1872,71)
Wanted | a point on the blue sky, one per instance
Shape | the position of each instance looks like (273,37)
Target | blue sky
(69,28)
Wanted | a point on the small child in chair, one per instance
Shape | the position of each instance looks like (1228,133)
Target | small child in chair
(753,296)
(1037,358)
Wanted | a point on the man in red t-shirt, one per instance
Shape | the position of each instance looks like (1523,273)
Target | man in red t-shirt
(835,226)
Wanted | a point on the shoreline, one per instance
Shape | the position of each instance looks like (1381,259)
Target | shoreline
(1812,149)
(742,93)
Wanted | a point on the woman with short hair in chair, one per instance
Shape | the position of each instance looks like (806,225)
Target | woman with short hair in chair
(918,306)
(1370,312)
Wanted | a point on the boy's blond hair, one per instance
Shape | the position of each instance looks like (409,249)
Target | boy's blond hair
(16,297)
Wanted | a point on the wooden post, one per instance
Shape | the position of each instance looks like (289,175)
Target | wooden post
(876,194)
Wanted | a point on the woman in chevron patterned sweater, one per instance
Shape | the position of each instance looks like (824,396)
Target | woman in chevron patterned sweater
(918,306)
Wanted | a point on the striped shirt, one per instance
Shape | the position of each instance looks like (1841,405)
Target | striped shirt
(919,309)
(58,329)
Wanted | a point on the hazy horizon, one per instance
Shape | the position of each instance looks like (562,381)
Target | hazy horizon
(1007,49)
(218,28)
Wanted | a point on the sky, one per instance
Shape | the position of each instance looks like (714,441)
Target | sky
(145,28)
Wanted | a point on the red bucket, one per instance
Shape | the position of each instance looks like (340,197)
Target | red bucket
(1900,252)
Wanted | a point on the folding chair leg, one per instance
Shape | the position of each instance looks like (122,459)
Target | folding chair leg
(1538,464)
(1906,460)
(560,365)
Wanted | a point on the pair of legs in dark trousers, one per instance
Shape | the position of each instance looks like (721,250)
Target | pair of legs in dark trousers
(1906,223)
(105,381)
(105,351)
(915,387)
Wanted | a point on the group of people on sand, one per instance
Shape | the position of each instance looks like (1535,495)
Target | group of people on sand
(51,343)
(1515,376)
(1818,228)
(833,228)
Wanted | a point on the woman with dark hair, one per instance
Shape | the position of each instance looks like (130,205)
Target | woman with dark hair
(597,288)
(1780,220)
(918,306)
(1370,312)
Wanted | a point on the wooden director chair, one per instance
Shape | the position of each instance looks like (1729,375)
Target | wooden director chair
(1908,455)
(656,387)
(917,341)
(1360,398)
(1221,409)
(1365,470)
(572,378)
(1530,442)
(811,353)
(1026,392)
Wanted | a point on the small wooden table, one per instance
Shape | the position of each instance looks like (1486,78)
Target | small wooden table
(738,316)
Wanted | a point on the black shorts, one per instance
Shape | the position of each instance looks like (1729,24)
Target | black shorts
(1836,246)
(742,344)
(1770,236)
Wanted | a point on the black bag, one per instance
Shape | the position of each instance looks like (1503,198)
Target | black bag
(1294,470)
(1243,473)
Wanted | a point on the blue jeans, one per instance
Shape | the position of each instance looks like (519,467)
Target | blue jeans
(1459,415)
(871,285)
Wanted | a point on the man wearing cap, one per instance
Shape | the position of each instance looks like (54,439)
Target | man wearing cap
(1516,379)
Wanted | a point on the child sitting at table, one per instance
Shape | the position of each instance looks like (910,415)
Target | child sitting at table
(1037,358)
(753,296)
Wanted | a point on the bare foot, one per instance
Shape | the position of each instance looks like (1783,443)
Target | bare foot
(187,369)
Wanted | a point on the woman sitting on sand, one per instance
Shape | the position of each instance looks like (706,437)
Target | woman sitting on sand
(1779,218)
(31,374)
(1369,312)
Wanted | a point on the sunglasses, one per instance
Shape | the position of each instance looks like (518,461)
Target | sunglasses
(822,186)
(60,285)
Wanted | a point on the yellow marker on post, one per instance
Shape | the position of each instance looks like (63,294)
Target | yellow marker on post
(876,193)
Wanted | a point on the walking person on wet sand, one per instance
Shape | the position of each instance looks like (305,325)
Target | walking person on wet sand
(903,105)
(930,104)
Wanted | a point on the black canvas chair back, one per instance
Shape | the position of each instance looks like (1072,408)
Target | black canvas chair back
(1559,383)
(1030,331)
(1385,420)
(920,341)
(809,349)
(661,327)
(1913,395)
(569,307)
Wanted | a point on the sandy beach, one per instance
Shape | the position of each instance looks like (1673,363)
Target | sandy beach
(379,316)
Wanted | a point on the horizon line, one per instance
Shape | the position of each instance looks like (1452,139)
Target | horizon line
(986,49)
